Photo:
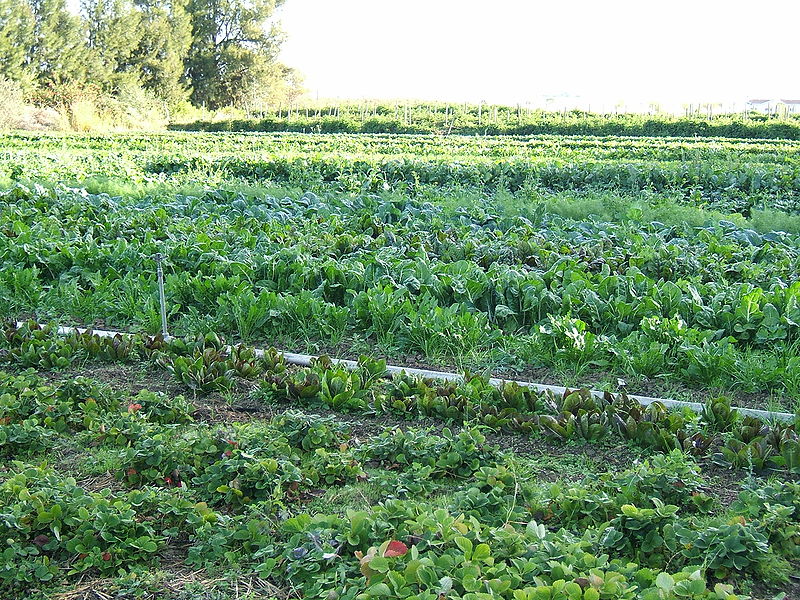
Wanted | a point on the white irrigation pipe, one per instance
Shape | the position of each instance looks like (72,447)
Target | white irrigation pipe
(306,359)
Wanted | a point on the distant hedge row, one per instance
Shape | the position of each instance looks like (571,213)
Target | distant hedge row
(511,122)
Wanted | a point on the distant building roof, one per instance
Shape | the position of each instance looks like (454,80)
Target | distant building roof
(767,100)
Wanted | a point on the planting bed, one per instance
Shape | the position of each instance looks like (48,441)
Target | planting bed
(175,470)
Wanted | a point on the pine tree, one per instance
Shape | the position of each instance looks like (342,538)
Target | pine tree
(233,49)
(16,37)
(59,53)
(163,47)
(114,33)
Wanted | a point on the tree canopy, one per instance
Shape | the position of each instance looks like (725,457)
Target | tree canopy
(213,52)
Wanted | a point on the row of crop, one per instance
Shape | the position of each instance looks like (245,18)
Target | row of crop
(512,297)
(648,299)
(375,240)
(731,186)
(52,522)
(266,472)
(402,546)
(138,147)
(204,365)
(699,342)
(780,184)
(658,345)
(232,467)
(611,285)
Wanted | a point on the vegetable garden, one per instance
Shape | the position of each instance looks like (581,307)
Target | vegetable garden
(196,467)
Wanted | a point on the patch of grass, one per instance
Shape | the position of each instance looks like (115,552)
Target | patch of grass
(99,460)
(570,467)
(353,496)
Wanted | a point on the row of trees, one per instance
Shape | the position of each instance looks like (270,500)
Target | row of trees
(213,52)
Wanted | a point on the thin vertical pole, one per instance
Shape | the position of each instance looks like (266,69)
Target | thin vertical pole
(162,300)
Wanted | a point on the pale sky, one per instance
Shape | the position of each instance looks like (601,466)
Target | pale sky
(513,50)
(510,51)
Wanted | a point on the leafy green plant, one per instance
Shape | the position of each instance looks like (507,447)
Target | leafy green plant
(204,372)
(733,547)
(310,432)
(644,533)
(789,457)
(414,481)
(245,363)
(774,510)
(449,454)
(569,338)
(753,456)
(718,415)
(241,478)
(117,348)
(157,407)
(43,351)
(496,497)
(343,390)
(49,519)
(333,468)
(673,478)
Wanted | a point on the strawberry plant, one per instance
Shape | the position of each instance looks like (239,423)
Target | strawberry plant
(309,432)
(157,407)
(243,542)
(241,478)
(414,481)
(726,548)
(647,534)
(122,429)
(494,487)
(449,454)
(156,459)
(28,436)
(774,511)
(673,478)
(333,468)
(49,519)
(576,505)
(32,413)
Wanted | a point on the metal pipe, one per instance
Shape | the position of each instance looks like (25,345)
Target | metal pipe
(161,298)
